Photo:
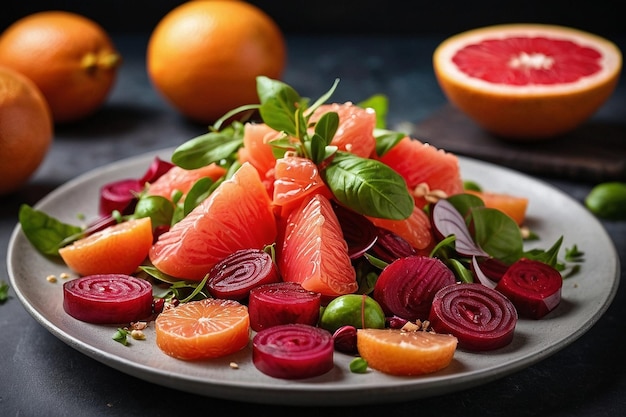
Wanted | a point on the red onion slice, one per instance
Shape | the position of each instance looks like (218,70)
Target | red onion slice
(118,196)
(240,272)
(293,351)
(534,287)
(390,246)
(406,287)
(108,298)
(481,318)
(358,231)
(282,303)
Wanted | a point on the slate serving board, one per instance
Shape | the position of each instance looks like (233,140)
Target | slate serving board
(593,153)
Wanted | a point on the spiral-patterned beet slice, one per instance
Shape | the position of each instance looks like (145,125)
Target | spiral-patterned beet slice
(533,286)
(234,276)
(293,351)
(406,287)
(282,303)
(481,318)
(108,298)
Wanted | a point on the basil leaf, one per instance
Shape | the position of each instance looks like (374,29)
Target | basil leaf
(368,186)
(279,102)
(386,139)
(208,148)
(326,126)
(44,232)
(497,234)
(200,190)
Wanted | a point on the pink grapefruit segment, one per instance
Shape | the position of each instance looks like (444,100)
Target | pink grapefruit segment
(313,251)
(355,133)
(237,215)
(420,163)
(181,179)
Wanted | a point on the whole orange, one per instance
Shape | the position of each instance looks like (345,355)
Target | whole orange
(204,56)
(26,129)
(70,58)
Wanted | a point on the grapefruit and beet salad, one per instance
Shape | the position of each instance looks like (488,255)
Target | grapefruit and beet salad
(319,230)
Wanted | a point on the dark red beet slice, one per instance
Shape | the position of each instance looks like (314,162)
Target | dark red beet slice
(108,298)
(406,287)
(533,286)
(481,318)
(234,276)
(389,246)
(120,195)
(358,231)
(282,303)
(293,351)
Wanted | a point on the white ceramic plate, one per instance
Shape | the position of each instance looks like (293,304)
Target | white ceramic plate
(551,213)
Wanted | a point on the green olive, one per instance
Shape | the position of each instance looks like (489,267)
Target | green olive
(360,311)
(608,200)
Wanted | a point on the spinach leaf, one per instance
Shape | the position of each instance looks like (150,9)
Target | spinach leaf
(368,186)
(46,233)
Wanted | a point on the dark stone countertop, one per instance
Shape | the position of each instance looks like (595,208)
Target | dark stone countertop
(41,376)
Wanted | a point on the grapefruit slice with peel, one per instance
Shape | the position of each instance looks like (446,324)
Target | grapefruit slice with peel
(314,252)
(527,81)
(237,215)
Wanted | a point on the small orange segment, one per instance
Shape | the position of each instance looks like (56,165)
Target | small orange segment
(118,249)
(205,329)
(181,179)
(514,206)
(399,352)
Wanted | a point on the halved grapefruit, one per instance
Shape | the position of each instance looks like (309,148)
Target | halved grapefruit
(527,81)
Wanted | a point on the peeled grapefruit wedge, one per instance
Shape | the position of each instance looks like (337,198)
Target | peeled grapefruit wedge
(527,81)
(237,215)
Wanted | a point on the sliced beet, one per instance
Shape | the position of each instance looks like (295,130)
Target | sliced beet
(390,246)
(293,351)
(282,303)
(406,287)
(108,298)
(237,274)
(481,318)
(119,195)
(358,231)
(534,287)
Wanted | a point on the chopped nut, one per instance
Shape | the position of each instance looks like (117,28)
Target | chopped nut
(138,325)
(234,365)
(431,196)
(137,334)
(51,278)
(64,275)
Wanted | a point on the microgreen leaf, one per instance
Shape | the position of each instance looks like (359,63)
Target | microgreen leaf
(200,190)
(121,336)
(209,147)
(358,365)
(326,126)
(4,291)
(323,98)
(44,232)
(368,186)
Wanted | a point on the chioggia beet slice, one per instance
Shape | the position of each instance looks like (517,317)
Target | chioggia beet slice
(293,351)
(406,287)
(534,287)
(237,274)
(108,298)
(282,303)
(480,317)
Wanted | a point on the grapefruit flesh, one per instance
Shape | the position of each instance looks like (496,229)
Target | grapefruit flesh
(237,215)
(313,251)
(527,81)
